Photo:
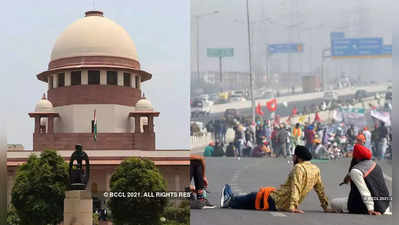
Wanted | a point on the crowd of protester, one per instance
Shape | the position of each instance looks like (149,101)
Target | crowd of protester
(329,140)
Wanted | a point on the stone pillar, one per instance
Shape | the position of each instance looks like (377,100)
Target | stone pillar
(103,77)
(78,208)
(50,82)
(138,78)
(120,78)
(67,78)
(151,124)
(137,126)
(37,124)
(55,80)
(85,77)
(50,124)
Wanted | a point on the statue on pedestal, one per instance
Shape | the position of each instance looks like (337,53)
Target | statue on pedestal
(78,173)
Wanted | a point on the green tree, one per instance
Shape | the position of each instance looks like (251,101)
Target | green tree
(12,217)
(137,175)
(39,190)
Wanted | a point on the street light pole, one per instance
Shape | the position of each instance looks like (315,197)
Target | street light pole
(251,88)
(198,66)
(323,78)
(197,17)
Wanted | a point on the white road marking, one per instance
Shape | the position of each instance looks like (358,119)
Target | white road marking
(278,214)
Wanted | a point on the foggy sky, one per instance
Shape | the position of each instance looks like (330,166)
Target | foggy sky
(227,29)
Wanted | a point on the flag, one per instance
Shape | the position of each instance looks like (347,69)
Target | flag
(94,126)
(382,116)
(294,111)
(272,105)
(317,117)
(259,110)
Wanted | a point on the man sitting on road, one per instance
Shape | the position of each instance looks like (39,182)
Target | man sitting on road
(197,172)
(209,149)
(320,151)
(303,177)
(369,193)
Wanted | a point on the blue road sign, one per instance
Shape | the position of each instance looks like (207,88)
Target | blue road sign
(387,50)
(337,35)
(356,47)
(285,48)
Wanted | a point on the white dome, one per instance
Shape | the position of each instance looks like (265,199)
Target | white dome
(143,105)
(44,106)
(94,35)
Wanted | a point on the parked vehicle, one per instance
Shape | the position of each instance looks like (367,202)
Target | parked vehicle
(199,108)
(361,94)
(236,98)
(268,95)
(230,114)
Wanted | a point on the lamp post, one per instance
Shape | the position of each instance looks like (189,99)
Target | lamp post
(322,76)
(197,18)
(251,79)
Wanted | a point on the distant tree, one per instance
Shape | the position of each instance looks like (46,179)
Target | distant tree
(39,190)
(137,175)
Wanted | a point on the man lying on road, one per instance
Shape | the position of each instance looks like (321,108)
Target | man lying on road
(303,177)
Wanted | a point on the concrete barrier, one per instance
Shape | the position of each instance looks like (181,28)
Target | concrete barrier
(200,141)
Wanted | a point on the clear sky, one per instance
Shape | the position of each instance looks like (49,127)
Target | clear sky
(160,30)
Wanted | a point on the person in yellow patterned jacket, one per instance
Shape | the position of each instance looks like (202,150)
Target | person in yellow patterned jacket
(304,177)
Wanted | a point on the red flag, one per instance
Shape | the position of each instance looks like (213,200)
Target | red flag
(294,111)
(259,110)
(272,105)
(317,117)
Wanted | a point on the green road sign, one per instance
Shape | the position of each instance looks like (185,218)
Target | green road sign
(220,52)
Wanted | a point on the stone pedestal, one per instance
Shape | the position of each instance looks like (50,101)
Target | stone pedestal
(78,208)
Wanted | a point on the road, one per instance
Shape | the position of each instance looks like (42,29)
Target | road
(298,101)
(248,174)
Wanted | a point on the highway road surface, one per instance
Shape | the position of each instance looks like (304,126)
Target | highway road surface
(248,174)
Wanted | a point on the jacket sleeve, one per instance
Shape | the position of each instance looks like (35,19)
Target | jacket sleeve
(295,185)
(357,178)
(319,188)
